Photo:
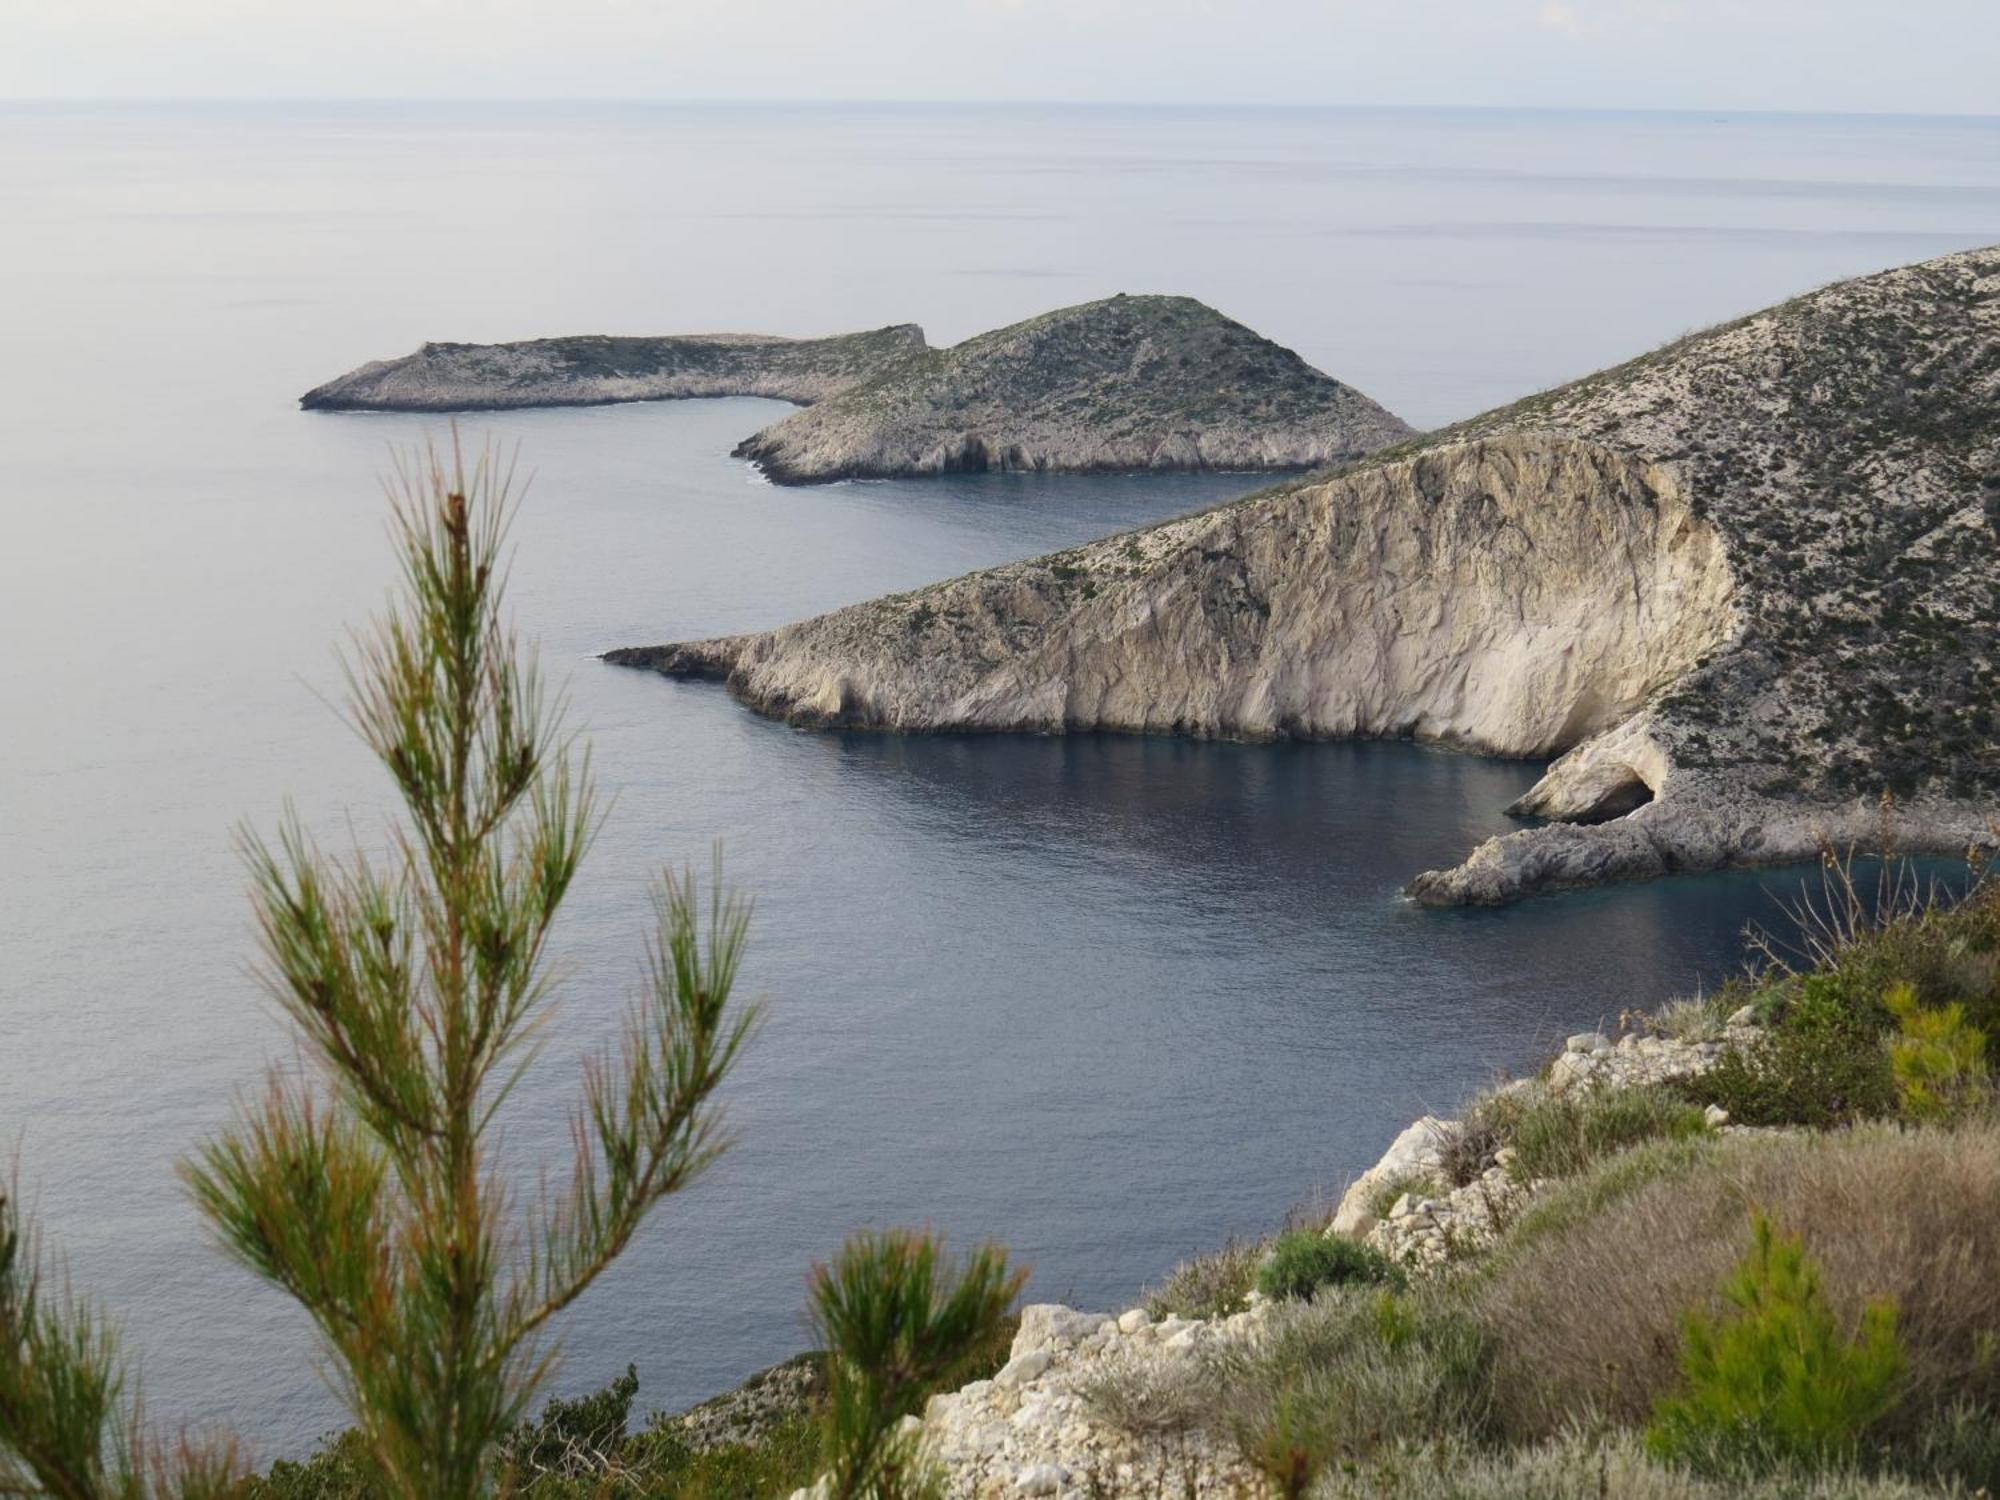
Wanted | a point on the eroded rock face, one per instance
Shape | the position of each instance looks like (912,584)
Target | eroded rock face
(596,371)
(1124,384)
(1507,595)
(1745,585)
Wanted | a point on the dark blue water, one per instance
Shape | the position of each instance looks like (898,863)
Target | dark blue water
(1109,1000)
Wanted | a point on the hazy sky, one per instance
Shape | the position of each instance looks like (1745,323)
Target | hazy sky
(1916,56)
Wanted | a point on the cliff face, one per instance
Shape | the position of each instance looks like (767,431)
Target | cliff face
(1125,383)
(1444,598)
(1747,584)
(595,371)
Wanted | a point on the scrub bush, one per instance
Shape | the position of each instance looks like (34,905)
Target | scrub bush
(1821,1064)
(1305,1260)
(1559,1135)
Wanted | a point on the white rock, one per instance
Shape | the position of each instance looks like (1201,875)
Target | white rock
(1745,1016)
(1023,1368)
(1400,1209)
(1418,1150)
(1048,1323)
(1588,1041)
(1133,1321)
(1040,1479)
(1716,1116)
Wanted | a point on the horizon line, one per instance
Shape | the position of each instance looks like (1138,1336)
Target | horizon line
(765,101)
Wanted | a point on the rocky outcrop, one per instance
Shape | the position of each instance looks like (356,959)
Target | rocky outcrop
(597,371)
(1128,383)
(1408,1205)
(1032,1429)
(1742,586)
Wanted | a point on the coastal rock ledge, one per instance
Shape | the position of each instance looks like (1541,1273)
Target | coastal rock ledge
(1744,587)
(1124,384)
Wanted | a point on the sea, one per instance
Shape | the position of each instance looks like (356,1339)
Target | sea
(1108,1000)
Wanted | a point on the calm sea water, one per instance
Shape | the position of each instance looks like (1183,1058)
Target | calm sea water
(1110,1000)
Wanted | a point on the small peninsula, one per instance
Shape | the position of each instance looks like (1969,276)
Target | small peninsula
(1743,587)
(599,371)
(1126,383)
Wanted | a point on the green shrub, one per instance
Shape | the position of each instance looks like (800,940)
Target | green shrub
(1304,1260)
(1559,1135)
(1777,1382)
(341,1469)
(781,1459)
(1821,1065)
(572,1437)
(1937,1059)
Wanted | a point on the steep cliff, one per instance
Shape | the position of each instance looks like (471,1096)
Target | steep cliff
(1125,383)
(595,371)
(1747,583)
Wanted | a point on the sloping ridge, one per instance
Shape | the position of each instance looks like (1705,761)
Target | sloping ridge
(1124,383)
(1747,583)
(595,370)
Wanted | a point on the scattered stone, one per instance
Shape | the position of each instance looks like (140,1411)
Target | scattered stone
(1024,1367)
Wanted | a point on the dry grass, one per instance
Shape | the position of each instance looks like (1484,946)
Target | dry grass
(1590,1468)
(1586,1310)
(1692,1018)
(1208,1286)
(1148,1396)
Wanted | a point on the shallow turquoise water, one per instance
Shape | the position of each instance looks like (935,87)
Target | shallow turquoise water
(1108,999)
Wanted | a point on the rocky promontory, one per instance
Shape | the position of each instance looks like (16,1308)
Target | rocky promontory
(1127,383)
(598,371)
(1745,587)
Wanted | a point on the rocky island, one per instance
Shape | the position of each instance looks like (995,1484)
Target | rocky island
(1744,587)
(1126,383)
(598,371)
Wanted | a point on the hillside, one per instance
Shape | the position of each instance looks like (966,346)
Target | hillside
(1126,383)
(1743,586)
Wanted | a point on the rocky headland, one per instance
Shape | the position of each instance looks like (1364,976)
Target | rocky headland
(1126,383)
(599,371)
(1743,587)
